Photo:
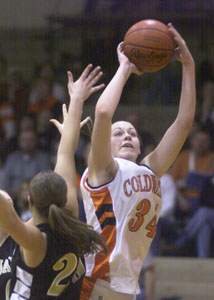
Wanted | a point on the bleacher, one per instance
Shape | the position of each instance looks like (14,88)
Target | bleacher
(187,278)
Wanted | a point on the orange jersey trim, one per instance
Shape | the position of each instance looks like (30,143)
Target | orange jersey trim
(107,222)
(87,288)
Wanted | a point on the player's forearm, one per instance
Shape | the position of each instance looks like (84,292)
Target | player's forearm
(74,118)
(188,96)
(110,98)
(70,135)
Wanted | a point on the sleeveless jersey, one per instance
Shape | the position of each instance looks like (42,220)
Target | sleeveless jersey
(59,275)
(6,253)
(125,211)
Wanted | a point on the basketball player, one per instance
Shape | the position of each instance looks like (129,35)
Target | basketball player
(48,262)
(7,247)
(122,199)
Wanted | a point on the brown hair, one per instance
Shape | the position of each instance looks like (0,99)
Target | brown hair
(48,192)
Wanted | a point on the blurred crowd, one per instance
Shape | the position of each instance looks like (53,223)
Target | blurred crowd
(28,140)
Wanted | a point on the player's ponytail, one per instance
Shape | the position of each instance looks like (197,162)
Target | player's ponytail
(82,236)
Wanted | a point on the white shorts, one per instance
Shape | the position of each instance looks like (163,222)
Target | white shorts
(102,291)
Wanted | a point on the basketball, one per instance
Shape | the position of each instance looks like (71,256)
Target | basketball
(149,45)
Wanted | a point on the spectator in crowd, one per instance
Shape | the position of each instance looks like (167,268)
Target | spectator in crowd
(200,227)
(41,97)
(22,202)
(47,72)
(206,94)
(17,93)
(205,86)
(8,128)
(7,121)
(190,170)
(24,163)
(28,122)
(45,92)
(7,116)
(45,131)
(13,105)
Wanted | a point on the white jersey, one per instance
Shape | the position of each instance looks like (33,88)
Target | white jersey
(125,211)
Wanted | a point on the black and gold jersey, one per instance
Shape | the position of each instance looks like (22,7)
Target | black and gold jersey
(6,253)
(59,275)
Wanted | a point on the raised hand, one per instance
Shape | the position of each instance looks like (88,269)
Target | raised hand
(84,86)
(85,121)
(182,52)
(124,59)
(60,126)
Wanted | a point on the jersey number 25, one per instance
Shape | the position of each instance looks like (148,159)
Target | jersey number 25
(66,265)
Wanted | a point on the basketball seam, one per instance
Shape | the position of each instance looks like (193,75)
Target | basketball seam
(149,29)
(139,46)
(146,65)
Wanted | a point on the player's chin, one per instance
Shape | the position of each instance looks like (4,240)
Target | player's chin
(129,155)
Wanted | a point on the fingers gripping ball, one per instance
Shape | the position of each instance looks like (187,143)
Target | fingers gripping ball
(149,45)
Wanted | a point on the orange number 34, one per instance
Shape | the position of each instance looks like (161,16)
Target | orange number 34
(142,209)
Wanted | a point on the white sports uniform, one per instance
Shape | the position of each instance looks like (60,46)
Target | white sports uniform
(125,211)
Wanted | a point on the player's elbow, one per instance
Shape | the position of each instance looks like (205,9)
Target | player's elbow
(102,113)
(185,123)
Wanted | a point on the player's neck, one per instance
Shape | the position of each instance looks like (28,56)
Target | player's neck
(37,219)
